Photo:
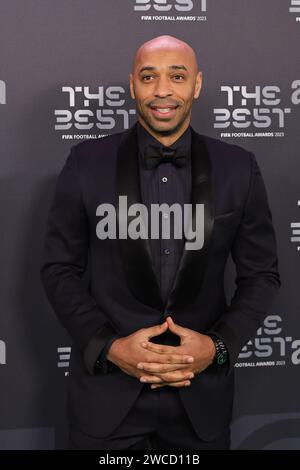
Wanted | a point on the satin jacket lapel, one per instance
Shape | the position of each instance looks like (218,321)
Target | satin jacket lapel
(193,263)
(136,254)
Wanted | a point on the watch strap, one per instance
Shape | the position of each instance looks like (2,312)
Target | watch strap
(221,355)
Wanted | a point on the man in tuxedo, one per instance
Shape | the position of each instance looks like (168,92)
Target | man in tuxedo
(154,341)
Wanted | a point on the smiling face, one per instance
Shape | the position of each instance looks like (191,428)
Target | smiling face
(164,82)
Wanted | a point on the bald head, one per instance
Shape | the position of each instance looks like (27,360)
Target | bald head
(166,43)
(164,82)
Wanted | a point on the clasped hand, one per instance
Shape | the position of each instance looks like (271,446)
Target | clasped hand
(180,363)
(161,365)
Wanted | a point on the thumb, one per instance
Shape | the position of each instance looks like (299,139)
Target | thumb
(156,330)
(177,329)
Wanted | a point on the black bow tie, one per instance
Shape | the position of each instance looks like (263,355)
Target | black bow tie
(154,155)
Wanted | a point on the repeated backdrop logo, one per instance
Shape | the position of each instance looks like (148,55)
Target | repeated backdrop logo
(100,109)
(2,352)
(2,343)
(295,8)
(259,111)
(271,347)
(295,226)
(171,10)
(2,92)
(64,354)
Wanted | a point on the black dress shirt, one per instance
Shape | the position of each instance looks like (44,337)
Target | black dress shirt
(165,184)
(169,184)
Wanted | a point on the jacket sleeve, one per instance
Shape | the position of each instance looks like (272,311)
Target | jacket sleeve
(254,253)
(97,349)
(65,256)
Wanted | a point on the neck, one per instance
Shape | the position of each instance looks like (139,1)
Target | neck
(165,140)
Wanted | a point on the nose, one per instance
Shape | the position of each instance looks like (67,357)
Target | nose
(162,88)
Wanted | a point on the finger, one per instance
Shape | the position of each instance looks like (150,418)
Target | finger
(171,384)
(184,383)
(174,376)
(156,330)
(155,367)
(170,350)
(150,379)
(159,348)
(177,329)
(171,359)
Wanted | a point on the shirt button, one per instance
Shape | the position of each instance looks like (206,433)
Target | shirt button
(164,179)
(166,251)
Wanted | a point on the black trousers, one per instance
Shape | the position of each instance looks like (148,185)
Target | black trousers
(156,421)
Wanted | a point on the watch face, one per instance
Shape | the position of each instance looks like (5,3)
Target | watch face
(222,358)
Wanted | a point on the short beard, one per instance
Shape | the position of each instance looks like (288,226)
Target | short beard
(167,132)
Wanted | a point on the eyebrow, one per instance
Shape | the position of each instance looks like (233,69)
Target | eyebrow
(172,67)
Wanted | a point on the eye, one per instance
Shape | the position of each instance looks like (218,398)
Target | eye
(147,76)
(179,76)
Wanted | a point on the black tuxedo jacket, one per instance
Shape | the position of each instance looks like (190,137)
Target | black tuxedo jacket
(122,293)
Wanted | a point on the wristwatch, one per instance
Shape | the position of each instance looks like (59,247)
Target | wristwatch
(221,351)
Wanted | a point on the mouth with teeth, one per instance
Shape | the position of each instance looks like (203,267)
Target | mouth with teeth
(164,112)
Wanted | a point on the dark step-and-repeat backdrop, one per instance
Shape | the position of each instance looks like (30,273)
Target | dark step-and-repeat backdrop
(64,68)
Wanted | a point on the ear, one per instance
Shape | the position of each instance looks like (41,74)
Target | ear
(198,85)
(131,86)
